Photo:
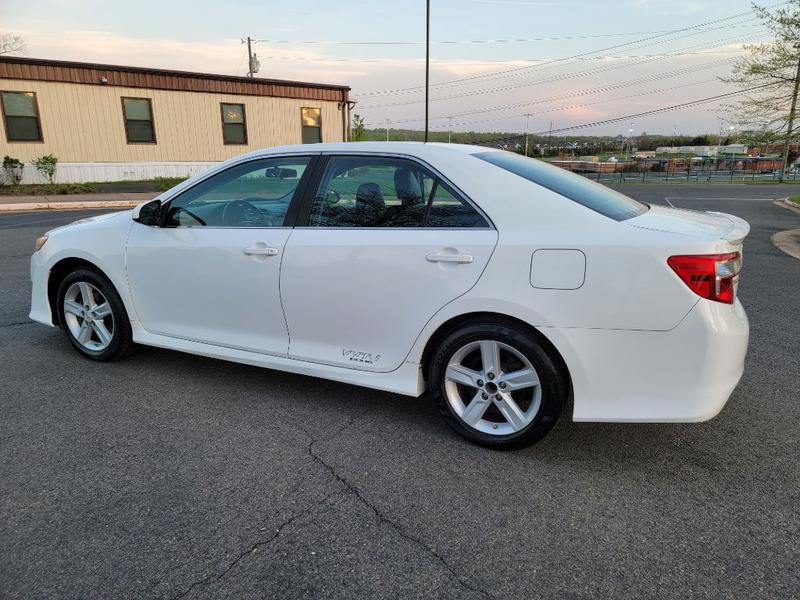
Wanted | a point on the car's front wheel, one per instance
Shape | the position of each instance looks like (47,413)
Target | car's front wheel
(92,315)
(496,386)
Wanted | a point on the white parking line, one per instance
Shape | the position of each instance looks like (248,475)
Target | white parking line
(668,198)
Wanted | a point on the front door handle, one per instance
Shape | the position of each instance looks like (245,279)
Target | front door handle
(260,250)
(449,258)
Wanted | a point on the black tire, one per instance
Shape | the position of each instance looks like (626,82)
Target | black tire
(121,342)
(553,382)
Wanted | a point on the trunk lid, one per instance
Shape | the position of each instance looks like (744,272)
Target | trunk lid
(692,223)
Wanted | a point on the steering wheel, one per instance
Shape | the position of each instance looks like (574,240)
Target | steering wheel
(243,212)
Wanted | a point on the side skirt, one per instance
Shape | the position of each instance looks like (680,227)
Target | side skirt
(406,380)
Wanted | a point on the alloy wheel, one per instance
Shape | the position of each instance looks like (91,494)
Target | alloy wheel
(88,316)
(492,387)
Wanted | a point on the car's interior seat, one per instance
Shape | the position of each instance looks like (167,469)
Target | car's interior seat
(370,205)
(411,211)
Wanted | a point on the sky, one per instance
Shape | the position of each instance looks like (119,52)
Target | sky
(562,62)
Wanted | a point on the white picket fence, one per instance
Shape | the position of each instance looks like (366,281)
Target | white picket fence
(83,172)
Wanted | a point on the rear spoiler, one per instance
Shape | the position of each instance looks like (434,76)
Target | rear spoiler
(739,231)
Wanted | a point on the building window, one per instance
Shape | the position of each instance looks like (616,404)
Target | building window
(234,125)
(21,116)
(312,125)
(138,115)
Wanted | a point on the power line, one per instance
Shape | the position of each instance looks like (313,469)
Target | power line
(627,117)
(553,78)
(460,63)
(585,92)
(573,106)
(609,48)
(544,38)
(661,110)
(555,63)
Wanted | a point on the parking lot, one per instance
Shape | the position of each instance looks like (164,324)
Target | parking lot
(175,476)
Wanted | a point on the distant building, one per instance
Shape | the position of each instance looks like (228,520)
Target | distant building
(687,150)
(108,122)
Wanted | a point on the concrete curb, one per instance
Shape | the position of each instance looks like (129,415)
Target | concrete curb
(22,206)
(788,241)
(791,204)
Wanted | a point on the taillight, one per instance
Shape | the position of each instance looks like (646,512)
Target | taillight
(712,276)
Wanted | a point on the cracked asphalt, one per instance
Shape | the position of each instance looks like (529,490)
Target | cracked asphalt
(174,476)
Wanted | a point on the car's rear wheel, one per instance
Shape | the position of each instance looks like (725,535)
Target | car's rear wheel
(92,315)
(496,386)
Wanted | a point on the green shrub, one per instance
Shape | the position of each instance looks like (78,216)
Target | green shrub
(12,170)
(46,165)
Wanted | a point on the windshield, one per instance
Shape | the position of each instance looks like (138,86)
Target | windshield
(592,195)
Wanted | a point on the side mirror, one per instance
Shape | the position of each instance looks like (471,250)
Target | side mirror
(148,214)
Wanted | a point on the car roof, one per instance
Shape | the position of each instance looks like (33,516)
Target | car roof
(410,148)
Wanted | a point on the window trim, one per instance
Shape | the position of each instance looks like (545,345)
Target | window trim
(307,206)
(38,118)
(289,219)
(125,119)
(302,108)
(244,123)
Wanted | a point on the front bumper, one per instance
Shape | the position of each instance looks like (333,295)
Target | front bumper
(40,304)
(685,374)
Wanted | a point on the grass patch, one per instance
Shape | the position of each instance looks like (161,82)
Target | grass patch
(48,189)
(795,200)
(166,183)
(157,184)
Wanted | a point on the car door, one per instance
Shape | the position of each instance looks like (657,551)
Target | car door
(210,273)
(381,246)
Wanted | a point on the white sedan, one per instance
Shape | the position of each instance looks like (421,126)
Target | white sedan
(510,290)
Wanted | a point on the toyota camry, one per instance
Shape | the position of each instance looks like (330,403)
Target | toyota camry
(509,290)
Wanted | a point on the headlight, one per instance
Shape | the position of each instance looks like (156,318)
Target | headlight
(39,243)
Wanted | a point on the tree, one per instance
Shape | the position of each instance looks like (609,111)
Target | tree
(11,43)
(774,69)
(358,127)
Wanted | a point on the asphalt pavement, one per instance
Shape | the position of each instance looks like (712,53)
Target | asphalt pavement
(174,476)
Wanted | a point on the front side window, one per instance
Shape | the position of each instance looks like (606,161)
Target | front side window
(21,116)
(253,194)
(362,191)
(234,126)
(311,120)
(138,116)
(594,196)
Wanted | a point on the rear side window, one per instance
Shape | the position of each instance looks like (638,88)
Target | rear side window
(376,191)
(592,195)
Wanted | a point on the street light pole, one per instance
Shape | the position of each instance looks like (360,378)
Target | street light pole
(427,61)
(527,127)
(449,128)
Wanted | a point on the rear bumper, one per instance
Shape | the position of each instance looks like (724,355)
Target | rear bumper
(683,375)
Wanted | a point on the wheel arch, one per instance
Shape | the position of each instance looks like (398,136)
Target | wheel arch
(57,274)
(461,320)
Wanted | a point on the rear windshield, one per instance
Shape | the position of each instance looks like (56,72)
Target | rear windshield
(575,187)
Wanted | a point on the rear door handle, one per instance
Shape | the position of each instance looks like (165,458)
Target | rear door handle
(449,258)
(259,250)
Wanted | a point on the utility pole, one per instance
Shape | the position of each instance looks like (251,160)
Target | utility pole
(449,128)
(527,127)
(252,61)
(427,61)
(790,125)
(387,130)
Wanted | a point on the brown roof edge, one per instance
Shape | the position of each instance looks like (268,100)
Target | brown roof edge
(66,64)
